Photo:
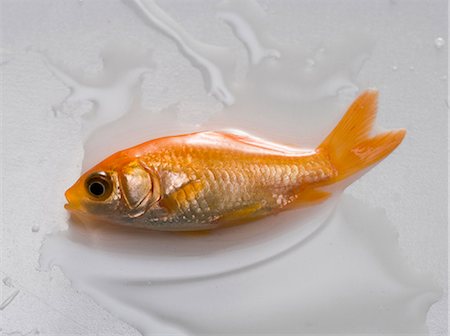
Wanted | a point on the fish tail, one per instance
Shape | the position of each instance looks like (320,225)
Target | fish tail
(350,146)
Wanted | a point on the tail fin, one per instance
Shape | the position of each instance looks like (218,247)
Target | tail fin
(350,146)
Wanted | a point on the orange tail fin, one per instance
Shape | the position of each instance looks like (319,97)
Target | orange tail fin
(351,147)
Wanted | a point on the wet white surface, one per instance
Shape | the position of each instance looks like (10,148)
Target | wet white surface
(43,152)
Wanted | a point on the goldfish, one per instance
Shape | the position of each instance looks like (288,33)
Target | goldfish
(211,179)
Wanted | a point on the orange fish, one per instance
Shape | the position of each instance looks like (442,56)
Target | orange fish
(204,180)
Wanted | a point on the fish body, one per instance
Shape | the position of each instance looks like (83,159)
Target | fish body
(205,180)
(211,178)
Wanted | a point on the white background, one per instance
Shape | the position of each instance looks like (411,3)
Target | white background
(405,66)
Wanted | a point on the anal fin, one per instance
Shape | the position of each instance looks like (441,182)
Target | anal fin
(308,197)
(243,215)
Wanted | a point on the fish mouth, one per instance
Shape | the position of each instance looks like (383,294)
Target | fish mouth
(70,207)
(76,209)
(73,203)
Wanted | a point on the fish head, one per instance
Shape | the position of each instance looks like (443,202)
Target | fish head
(116,190)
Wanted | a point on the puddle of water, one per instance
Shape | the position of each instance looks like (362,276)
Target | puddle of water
(289,273)
(348,277)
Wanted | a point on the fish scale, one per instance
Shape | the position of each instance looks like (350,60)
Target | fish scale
(235,180)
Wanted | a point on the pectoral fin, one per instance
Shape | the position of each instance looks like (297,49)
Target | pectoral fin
(242,215)
(181,197)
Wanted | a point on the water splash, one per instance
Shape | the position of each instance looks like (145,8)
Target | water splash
(9,299)
(247,35)
(272,87)
(203,56)
(104,96)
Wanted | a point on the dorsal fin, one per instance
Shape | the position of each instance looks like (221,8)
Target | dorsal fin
(252,143)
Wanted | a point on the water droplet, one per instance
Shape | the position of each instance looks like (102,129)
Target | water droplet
(439,42)
(411,68)
(35,228)
(443,78)
(394,68)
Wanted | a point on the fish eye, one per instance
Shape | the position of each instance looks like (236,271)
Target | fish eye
(99,185)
